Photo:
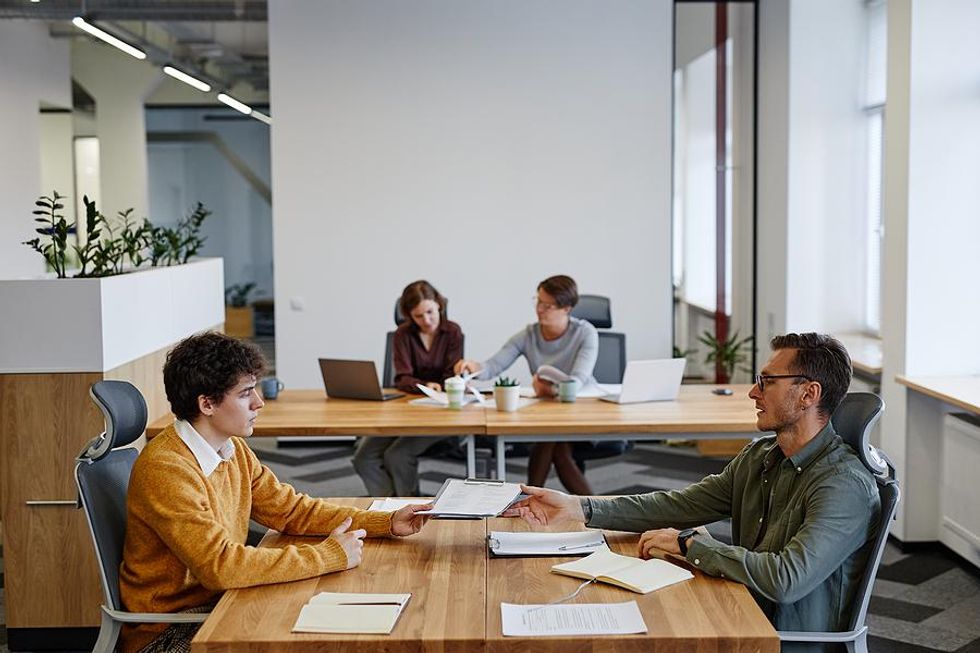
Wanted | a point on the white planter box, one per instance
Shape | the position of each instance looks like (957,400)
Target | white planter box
(95,325)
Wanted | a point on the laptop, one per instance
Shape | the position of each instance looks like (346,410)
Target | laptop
(344,379)
(654,380)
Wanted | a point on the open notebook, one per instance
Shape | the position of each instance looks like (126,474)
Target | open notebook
(334,612)
(642,576)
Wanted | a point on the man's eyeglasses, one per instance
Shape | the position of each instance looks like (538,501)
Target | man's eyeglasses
(762,379)
(545,306)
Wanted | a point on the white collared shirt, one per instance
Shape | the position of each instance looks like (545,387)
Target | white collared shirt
(206,456)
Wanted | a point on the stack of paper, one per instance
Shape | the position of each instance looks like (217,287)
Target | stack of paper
(642,576)
(473,498)
(574,619)
(331,612)
(575,543)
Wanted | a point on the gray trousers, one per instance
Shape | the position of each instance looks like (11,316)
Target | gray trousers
(389,467)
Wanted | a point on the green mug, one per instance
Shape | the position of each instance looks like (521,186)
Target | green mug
(568,391)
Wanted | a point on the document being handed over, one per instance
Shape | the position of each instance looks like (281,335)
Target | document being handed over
(574,619)
(473,498)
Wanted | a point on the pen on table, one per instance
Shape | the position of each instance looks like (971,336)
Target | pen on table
(566,547)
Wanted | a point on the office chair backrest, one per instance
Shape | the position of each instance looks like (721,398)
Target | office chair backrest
(594,309)
(102,476)
(611,362)
(853,421)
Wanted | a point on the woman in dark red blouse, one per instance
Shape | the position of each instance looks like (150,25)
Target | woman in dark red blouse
(425,347)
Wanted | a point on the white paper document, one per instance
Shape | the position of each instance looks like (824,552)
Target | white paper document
(575,543)
(333,612)
(434,398)
(473,498)
(555,375)
(387,505)
(574,619)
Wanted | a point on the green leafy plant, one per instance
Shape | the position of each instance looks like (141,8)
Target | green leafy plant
(134,239)
(237,295)
(54,246)
(506,382)
(683,353)
(90,253)
(170,246)
(726,355)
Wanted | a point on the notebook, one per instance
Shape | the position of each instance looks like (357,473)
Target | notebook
(653,380)
(333,612)
(346,379)
(641,576)
(575,543)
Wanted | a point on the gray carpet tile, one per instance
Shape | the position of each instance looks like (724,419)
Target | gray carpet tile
(916,633)
(901,609)
(945,589)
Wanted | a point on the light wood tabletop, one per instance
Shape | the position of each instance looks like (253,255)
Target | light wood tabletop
(456,594)
(703,614)
(960,391)
(696,410)
(443,567)
(310,412)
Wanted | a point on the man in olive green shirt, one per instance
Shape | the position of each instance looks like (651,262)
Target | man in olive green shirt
(804,508)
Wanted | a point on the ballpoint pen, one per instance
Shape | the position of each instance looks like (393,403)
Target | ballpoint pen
(566,547)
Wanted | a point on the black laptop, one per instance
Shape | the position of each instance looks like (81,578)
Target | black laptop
(344,379)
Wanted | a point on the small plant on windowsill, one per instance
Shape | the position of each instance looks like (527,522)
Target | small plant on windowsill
(507,394)
(726,355)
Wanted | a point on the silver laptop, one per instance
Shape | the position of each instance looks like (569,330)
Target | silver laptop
(344,379)
(655,380)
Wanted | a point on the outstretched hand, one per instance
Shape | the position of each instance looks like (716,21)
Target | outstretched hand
(543,507)
(404,521)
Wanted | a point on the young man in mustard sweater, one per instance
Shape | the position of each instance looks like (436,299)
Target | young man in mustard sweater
(195,486)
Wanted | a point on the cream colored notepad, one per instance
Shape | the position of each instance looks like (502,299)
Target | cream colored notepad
(333,612)
(642,576)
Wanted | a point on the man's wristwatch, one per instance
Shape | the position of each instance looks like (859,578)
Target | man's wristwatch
(682,539)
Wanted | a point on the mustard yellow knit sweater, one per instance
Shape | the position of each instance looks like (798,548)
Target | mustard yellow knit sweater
(185,533)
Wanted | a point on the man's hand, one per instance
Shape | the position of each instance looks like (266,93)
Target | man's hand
(664,539)
(545,507)
(464,366)
(542,388)
(351,542)
(404,521)
(432,385)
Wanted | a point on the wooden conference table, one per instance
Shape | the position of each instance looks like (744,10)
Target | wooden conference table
(456,594)
(696,413)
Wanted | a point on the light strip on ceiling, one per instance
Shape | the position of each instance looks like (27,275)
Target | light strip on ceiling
(261,117)
(235,104)
(81,24)
(187,79)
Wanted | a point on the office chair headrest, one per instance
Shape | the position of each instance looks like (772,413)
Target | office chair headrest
(853,420)
(594,309)
(125,416)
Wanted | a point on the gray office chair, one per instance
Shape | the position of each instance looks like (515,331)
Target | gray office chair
(102,472)
(594,309)
(853,420)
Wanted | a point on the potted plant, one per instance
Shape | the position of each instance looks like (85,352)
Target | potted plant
(507,394)
(239,315)
(726,355)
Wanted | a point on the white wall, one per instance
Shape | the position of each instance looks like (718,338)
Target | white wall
(34,68)
(811,168)
(483,146)
(57,169)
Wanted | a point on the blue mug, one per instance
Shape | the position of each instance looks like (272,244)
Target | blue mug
(271,388)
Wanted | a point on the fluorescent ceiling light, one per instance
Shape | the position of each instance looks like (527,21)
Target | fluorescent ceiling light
(235,104)
(80,23)
(258,115)
(187,79)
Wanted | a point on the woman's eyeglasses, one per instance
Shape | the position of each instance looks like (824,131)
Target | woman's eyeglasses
(762,379)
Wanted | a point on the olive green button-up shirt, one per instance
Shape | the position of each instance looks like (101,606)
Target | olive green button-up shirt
(802,527)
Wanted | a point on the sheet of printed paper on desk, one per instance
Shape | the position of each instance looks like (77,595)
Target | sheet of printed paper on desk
(571,619)
(335,612)
(473,498)
(434,398)
(389,504)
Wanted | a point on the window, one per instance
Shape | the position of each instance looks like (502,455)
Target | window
(874,112)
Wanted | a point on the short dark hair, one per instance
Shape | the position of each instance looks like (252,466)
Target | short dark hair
(823,359)
(417,291)
(208,364)
(562,288)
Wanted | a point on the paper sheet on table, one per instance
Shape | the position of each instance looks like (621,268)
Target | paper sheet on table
(504,543)
(389,504)
(590,389)
(473,498)
(571,619)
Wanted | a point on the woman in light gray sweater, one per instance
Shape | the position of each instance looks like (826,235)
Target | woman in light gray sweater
(559,340)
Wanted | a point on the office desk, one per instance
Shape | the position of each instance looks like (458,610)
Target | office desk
(310,413)
(696,414)
(456,595)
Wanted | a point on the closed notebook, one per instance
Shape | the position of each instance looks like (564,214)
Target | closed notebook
(641,576)
(331,612)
